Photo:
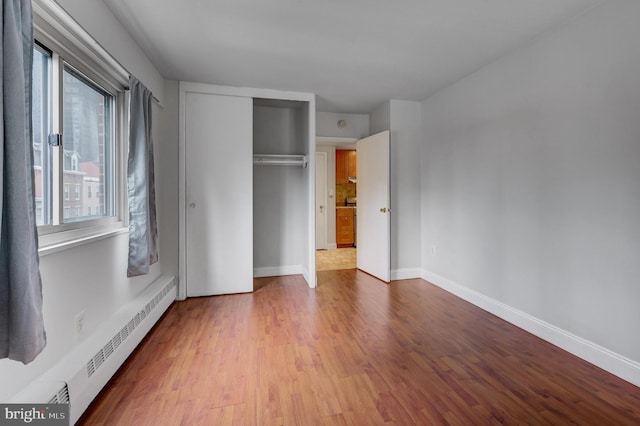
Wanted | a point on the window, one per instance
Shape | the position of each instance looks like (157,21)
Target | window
(37,154)
(41,120)
(87,113)
(78,133)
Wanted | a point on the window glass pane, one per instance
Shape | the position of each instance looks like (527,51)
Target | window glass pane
(40,117)
(87,142)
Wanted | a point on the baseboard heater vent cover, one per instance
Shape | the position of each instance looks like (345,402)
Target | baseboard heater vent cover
(110,347)
(61,397)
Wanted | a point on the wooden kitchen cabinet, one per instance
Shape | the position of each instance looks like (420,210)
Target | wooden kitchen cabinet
(344,227)
(352,163)
(345,165)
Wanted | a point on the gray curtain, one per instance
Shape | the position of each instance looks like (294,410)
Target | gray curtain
(22,334)
(143,229)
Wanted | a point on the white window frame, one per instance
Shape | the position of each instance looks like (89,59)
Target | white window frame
(69,43)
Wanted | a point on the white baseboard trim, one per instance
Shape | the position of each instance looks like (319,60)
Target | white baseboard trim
(276,271)
(599,356)
(310,279)
(405,274)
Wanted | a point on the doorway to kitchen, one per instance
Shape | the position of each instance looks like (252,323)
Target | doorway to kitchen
(362,213)
(336,207)
(332,260)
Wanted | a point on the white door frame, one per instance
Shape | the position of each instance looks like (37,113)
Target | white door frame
(321,220)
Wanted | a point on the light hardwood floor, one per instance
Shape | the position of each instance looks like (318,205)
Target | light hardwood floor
(332,260)
(354,351)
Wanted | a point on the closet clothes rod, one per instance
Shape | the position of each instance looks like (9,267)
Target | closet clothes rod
(280,160)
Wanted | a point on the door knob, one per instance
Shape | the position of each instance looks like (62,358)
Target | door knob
(192,205)
(383,210)
(321,209)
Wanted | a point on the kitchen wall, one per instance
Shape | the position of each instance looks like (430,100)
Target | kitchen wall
(344,191)
(530,183)
(92,277)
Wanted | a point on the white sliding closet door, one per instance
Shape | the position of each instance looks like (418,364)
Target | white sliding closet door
(219,194)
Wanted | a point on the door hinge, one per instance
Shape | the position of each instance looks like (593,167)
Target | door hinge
(55,139)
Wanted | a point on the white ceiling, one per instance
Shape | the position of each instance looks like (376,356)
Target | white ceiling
(353,54)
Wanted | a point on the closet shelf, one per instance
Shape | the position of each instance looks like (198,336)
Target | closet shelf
(280,160)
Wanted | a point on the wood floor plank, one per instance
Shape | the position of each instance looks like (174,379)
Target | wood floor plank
(352,351)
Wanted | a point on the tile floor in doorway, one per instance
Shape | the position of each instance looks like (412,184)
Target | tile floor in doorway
(331,260)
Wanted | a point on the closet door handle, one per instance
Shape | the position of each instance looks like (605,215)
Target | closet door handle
(192,205)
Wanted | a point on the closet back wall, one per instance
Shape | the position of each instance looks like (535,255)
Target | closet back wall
(280,194)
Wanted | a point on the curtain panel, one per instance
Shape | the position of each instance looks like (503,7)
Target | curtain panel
(22,333)
(143,229)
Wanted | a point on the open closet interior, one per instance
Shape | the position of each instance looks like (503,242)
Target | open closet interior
(280,187)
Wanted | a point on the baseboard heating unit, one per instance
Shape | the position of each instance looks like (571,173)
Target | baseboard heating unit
(80,375)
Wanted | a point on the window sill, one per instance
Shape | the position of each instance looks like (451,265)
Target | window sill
(60,241)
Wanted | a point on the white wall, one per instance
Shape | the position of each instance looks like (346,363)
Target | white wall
(167,178)
(357,125)
(531,183)
(92,277)
(380,118)
(405,188)
(97,20)
(403,120)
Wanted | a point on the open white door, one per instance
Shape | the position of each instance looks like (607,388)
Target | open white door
(321,200)
(219,194)
(373,221)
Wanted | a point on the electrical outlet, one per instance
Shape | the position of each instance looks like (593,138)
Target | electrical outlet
(78,322)
(433,250)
